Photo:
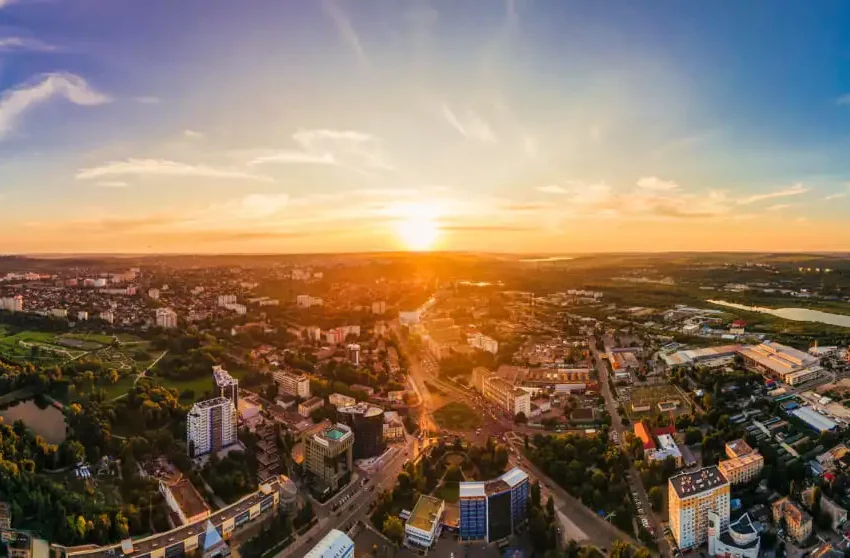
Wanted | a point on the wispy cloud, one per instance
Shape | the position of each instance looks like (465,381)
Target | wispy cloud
(469,125)
(111,184)
(8,44)
(552,189)
(193,134)
(838,195)
(794,190)
(160,167)
(147,100)
(654,183)
(18,100)
(843,100)
(345,29)
(351,149)
(780,206)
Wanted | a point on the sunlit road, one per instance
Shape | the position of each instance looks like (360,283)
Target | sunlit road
(635,482)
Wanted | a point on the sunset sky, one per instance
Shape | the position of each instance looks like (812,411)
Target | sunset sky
(505,126)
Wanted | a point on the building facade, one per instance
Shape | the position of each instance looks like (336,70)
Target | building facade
(743,469)
(740,540)
(798,522)
(422,528)
(306,408)
(507,396)
(166,318)
(340,400)
(297,385)
(367,423)
(492,510)
(226,385)
(691,496)
(210,426)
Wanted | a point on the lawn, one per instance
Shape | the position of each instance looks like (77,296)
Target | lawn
(118,388)
(18,348)
(457,416)
(450,492)
(199,385)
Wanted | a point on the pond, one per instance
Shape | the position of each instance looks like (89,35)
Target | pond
(796,314)
(40,416)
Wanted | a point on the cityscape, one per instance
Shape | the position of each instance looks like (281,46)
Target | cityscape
(406,278)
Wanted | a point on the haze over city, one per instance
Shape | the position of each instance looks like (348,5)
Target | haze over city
(516,126)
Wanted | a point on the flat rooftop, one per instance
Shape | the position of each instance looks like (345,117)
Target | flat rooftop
(779,358)
(187,497)
(814,419)
(737,448)
(425,513)
(480,489)
(690,484)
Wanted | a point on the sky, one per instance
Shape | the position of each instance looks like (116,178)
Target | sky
(545,126)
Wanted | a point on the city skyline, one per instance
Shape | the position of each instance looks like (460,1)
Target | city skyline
(334,126)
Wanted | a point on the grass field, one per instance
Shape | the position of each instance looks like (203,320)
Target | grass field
(198,385)
(450,492)
(651,396)
(18,347)
(457,416)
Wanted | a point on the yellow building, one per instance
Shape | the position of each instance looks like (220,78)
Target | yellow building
(737,448)
(797,521)
(691,496)
(741,470)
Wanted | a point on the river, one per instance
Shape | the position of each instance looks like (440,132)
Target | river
(40,416)
(795,314)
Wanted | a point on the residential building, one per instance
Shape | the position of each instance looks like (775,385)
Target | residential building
(393,427)
(379,307)
(210,426)
(306,408)
(353,353)
(744,469)
(12,303)
(503,393)
(737,448)
(480,341)
(186,505)
(798,522)
(292,383)
(340,400)
(224,300)
(82,316)
(785,363)
(837,515)
(422,528)
(226,385)
(307,301)
(741,539)
(408,318)
(667,448)
(492,510)
(367,423)
(107,316)
(335,544)
(329,456)
(153,294)
(691,496)
(166,318)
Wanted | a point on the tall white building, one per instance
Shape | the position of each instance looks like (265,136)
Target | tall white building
(353,350)
(210,426)
(166,318)
(297,385)
(12,303)
(224,300)
(691,497)
(153,293)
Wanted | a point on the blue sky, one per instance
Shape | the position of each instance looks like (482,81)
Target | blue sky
(293,126)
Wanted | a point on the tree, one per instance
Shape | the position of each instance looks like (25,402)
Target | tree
(393,529)
(520,418)
(656,497)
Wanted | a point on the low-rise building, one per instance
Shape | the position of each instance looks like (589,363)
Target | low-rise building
(423,527)
(291,383)
(837,515)
(737,448)
(798,522)
(667,448)
(340,400)
(186,504)
(744,469)
(512,399)
(335,544)
(306,408)
(740,540)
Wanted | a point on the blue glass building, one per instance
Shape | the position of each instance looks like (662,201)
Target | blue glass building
(492,510)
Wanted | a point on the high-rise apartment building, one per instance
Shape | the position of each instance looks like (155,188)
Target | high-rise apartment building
(492,510)
(226,385)
(210,426)
(329,455)
(166,318)
(353,352)
(691,496)
(289,383)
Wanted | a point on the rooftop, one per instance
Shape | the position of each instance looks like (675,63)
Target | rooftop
(207,403)
(778,358)
(362,408)
(479,489)
(223,377)
(737,448)
(425,513)
(187,497)
(814,419)
(689,484)
(334,544)
(313,401)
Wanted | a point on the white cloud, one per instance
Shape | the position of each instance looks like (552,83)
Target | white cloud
(656,184)
(345,29)
(112,184)
(552,189)
(8,44)
(794,190)
(147,100)
(469,125)
(352,149)
(263,205)
(837,196)
(193,134)
(779,206)
(16,101)
(843,100)
(160,167)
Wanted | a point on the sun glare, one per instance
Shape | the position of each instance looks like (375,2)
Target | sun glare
(417,226)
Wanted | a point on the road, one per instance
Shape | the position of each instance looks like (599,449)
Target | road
(634,480)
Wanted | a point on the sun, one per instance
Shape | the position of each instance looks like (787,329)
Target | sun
(417,226)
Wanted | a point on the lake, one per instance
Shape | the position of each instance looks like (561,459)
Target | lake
(796,314)
(41,417)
